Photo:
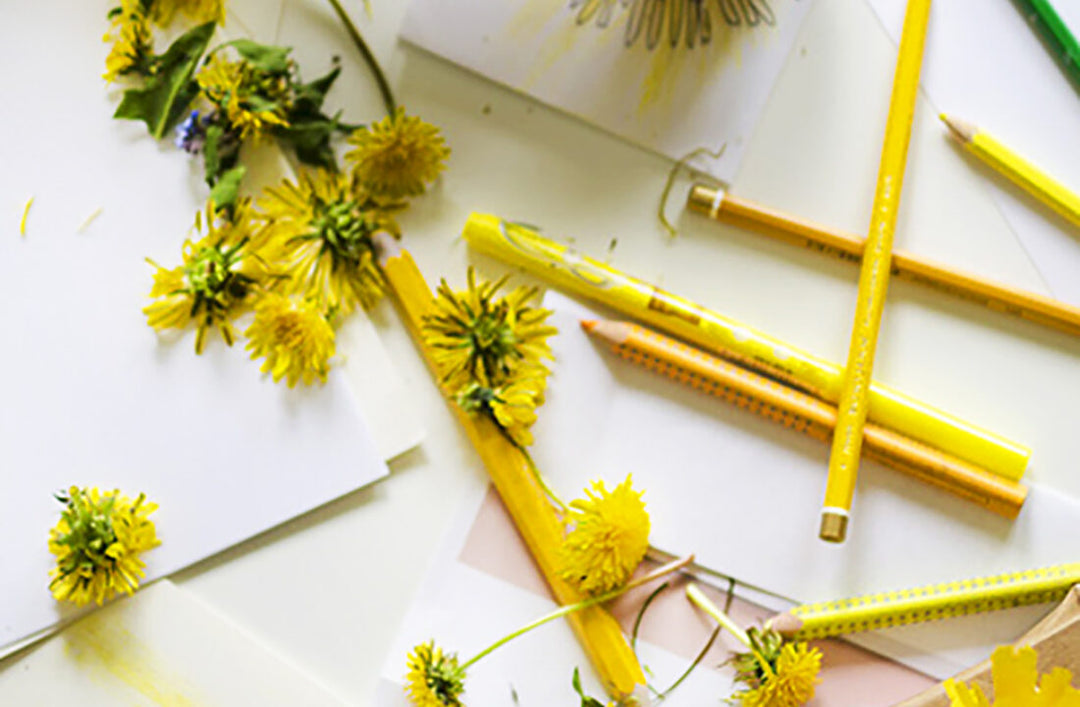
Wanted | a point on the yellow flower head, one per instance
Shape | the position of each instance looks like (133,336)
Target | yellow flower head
(251,99)
(97,543)
(132,41)
(776,673)
(512,407)
(434,678)
(322,230)
(216,283)
(608,537)
(198,11)
(397,156)
(1017,683)
(476,338)
(295,339)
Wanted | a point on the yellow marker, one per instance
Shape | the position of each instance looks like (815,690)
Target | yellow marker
(512,475)
(873,611)
(521,246)
(1036,182)
(874,279)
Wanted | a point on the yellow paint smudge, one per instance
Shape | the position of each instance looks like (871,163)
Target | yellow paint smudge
(109,653)
(25,213)
(89,220)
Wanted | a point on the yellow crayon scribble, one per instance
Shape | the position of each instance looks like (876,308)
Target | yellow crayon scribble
(89,220)
(25,213)
(108,652)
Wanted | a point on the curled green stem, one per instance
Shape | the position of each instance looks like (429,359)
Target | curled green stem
(369,58)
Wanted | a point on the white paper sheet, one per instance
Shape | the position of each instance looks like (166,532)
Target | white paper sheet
(714,473)
(987,66)
(483,584)
(670,100)
(93,395)
(161,647)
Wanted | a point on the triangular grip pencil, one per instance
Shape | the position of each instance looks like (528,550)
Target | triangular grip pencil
(804,413)
(929,603)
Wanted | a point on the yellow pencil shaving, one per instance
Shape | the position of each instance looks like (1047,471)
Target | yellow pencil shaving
(518,485)
(25,213)
(88,220)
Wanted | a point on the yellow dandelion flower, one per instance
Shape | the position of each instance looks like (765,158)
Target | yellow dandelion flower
(1017,683)
(434,678)
(198,11)
(132,41)
(512,406)
(476,338)
(252,100)
(322,230)
(97,543)
(217,282)
(397,156)
(608,537)
(295,339)
(787,682)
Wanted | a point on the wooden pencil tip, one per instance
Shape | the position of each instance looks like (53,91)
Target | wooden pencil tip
(607,330)
(962,132)
(785,624)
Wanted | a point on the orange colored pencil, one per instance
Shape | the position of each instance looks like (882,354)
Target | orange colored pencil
(718,205)
(805,413)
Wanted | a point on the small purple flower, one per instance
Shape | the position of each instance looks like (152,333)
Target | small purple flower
(191,134)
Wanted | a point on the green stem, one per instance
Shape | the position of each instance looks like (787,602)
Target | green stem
(584,604)
(369,58)
(698,597)
(548,491)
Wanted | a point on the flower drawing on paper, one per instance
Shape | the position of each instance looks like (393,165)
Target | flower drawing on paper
(1017,683)
(397,156)
(294,339)
(608,535)
(321,227)
(434,678)
(97,543)
(687,22)
(219,278)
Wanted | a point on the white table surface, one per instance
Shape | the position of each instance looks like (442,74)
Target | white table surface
(328,590)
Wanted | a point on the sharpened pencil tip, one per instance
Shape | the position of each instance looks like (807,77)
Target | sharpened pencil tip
(785,624)
(588,325)
(958,129)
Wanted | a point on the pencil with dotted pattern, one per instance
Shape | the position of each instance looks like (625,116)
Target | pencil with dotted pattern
(797,410)
(929,603)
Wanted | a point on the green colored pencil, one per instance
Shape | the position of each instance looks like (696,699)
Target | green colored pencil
(1041,15)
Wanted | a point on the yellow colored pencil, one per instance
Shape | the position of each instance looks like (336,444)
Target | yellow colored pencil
(521,246)
(929,603)
(874,278)
(718,205)
(600,634)
(805,413)
(1023,173)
